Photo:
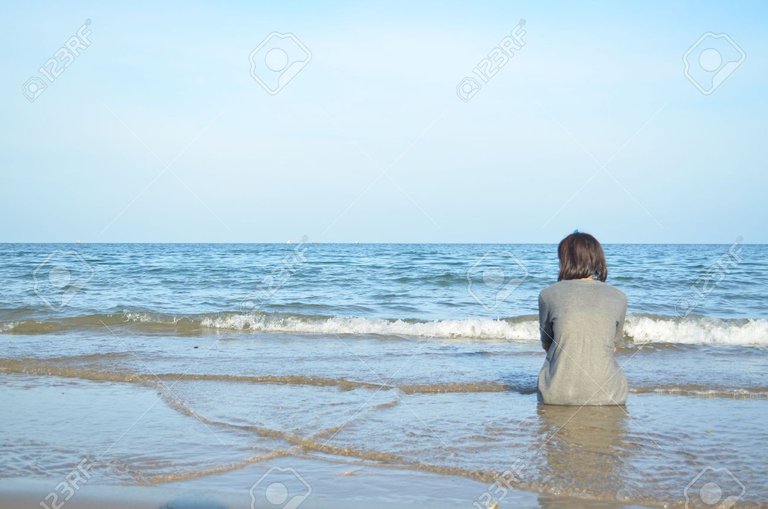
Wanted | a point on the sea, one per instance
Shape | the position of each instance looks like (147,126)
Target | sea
(402,374)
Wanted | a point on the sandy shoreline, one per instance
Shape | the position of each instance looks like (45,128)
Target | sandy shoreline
(209,442)
(333,486)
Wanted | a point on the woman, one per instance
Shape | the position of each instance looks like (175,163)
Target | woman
(581,318)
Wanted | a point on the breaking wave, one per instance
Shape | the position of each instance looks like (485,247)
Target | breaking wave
(639,329)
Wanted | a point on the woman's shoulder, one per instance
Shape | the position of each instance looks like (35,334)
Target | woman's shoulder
(615,294)
(553,291)
(549,290)
(577,285)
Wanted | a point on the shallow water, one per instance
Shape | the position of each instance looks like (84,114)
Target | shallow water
(167,364)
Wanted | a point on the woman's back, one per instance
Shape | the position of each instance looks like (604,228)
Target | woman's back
(580,321)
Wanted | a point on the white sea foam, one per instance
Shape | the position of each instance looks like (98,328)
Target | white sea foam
(478,328)
(8,326)
(151,318)
(696,330)
(640,328)
(137,317)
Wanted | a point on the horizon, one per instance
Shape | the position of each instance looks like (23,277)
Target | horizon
(347,243)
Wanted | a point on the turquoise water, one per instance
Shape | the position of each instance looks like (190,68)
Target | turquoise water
(407,281)
(413,357)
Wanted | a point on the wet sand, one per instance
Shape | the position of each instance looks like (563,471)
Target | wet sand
(334,485)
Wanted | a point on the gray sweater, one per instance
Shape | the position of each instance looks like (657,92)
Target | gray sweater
(581,321)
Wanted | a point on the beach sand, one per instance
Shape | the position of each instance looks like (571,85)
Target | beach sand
(173,458)
(333,485)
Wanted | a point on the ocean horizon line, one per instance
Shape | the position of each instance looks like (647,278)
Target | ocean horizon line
(352,243)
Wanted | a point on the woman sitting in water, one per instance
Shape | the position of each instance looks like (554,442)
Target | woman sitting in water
(581,318)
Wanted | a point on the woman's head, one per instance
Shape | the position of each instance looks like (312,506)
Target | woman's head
(581,256)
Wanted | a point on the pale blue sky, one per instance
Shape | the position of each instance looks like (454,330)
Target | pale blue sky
(369,142)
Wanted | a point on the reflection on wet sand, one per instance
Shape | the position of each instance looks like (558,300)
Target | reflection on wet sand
(585,451)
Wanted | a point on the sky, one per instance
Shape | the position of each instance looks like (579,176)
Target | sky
(166,123)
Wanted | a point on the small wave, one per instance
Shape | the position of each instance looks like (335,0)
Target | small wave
(186,475)
(638,329)
(473,328)
(8,326)
(704,392)
(695,330)
(73,367)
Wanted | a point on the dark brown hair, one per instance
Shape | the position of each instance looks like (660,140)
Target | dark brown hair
(581,256)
